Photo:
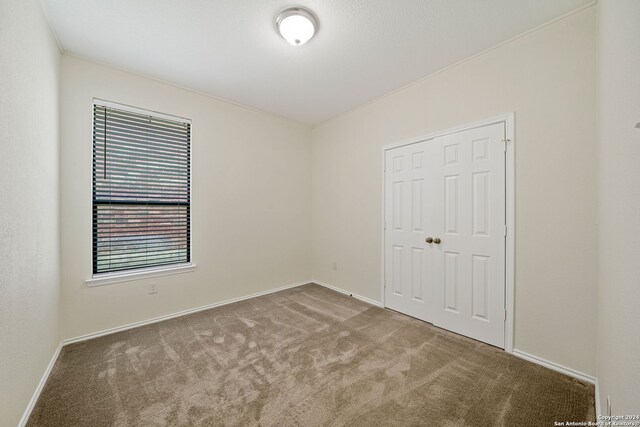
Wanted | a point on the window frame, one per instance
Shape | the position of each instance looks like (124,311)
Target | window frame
(97,279)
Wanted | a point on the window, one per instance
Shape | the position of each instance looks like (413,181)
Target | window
(141,189)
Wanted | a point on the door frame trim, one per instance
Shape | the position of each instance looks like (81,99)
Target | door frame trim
(509,120)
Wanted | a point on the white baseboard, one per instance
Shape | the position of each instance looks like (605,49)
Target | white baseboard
(36,393)
(177,314)
(342,291)
(555,366)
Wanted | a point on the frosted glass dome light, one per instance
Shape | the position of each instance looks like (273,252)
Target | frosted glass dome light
(296,25)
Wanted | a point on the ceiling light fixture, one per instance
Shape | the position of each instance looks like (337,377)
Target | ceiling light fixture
(296,25)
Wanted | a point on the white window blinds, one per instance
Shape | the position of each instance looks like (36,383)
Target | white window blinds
(141,190)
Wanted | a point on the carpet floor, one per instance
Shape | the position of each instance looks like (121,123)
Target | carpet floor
(305,356)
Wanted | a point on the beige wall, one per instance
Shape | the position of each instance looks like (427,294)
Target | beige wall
(29,268)
(251,201)
(619,180)
(548,79)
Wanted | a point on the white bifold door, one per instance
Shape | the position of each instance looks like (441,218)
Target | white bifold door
(445,231)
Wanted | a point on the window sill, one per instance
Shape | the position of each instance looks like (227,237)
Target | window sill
(109,278)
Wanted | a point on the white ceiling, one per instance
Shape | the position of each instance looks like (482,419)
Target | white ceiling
(230,48)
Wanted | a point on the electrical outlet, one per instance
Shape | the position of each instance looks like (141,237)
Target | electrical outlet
(335,266)
(153,288)
(608,406)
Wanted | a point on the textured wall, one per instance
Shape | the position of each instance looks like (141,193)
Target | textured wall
(548,79)
(29,268)
(619,179)
(251,201)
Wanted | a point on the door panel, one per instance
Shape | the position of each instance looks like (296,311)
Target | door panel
(451,282)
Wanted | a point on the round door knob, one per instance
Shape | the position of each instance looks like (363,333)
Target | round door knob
(437,240)
(428,240)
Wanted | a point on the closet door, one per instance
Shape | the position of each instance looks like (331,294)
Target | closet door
(469,256)
(445,232)
(408,263)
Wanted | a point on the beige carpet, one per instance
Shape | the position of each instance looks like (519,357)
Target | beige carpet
(306,356)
